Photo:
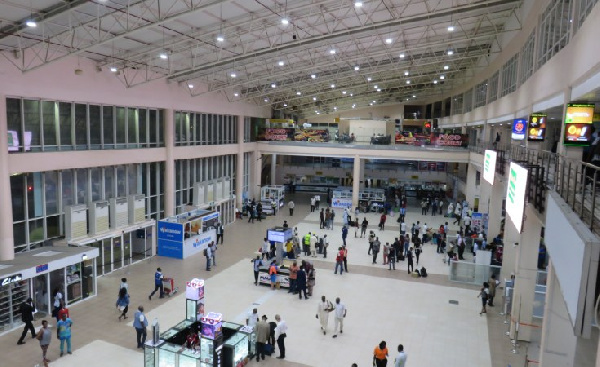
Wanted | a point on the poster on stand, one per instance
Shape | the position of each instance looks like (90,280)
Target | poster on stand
(341,203)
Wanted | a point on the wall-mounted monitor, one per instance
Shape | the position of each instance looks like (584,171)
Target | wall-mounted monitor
(519,127)
(515,194)
(489,165)
(578,124)
(536,131)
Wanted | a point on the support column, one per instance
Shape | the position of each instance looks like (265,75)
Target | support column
(509,252)
(7,244)
(169,189)
(273,168)
(239,168)
(471,190)
(356,181)
(498,193)
(525,276)
(485,194)
(254,190)
(361,174)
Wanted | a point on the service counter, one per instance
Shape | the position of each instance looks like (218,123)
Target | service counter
(283,277)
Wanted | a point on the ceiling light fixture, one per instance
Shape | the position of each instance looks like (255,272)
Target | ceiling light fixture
(343,92)
(191,86)
(285,105)
(314,98)
(442,77)
(266,100)
(298,93)
(273,85)
(450,28)
(374,101)
(375,87)
(31,23)
(356,68)
(113,69)
(285,21)
(406,72)
(450,52)
(351,95)
(379,89)
(358,4)
(220,38)
(236,94)
(233,75)
(402,55)
(446,67)
(414,96)
(281,63)
(370,104)
(388,41)
(435,82)
(163,56)
(335,108)
(332,85)
(332,52)
(408,82)
(369,79)
(313,76)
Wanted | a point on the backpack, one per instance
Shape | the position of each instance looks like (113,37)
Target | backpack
(205,252)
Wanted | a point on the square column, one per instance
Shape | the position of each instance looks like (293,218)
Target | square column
(273,168)
(254,190)
(497,194)
(239,168)
(169,189)
(357,176)
(7,244)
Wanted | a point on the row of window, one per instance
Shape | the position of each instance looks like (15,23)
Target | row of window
(553,34)
(37,125)
(205,129)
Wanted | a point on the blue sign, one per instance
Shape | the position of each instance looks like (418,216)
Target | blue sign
(170,231)
(210,216)
(519,127)
(169,248)
(41,268)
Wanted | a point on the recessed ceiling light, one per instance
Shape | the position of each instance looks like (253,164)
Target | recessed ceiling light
(113,69)
(353,106)
(375,87)
(236,94)
(273,85)
(450,28)
(379,89)
(414,96)
(332,85)
(31,23)
(408,82)
(442,77)
(285,105)
(351,95)
(163,56)
(191,86)
(220,38)
(233,75)
(358,4)
(266,100)
(388,41)
(335,108)
(446,67)
(370,104)
(374,102)
(450,52)
(316,111)
(313,76)
(369,79)
(314,98)
(406,72)
(285,21)
(298,93)
(435,82)
(343,92)
(356,68)
(332,52)
(402,55)
(281,63)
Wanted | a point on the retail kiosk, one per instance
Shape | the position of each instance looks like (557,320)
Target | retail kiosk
(186,234)
(220,343)
(341,198)
(270,193)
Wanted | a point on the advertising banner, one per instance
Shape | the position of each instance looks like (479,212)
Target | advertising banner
(315,135)
(272,134)
(449,140)
(489,165)
(515,195)
(479,222)
(537,127)
(519,127)
(578,120)
(341,203)
(408,138)
(197,244)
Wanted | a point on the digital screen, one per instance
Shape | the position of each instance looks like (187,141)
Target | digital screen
(276,236)
(515,194)
(537,127)
(489,165)
(578,134)
(579,113)
(519,127)
(578,120)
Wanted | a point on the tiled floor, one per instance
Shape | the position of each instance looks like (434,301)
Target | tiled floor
(382,305)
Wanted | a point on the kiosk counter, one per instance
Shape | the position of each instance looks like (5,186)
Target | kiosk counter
(283,276)
(186,234)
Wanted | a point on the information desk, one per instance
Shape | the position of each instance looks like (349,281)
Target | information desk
(283,277)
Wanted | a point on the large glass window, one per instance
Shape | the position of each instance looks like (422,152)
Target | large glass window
(526,68)
(81,126)
(108,127)
(143,127)
(121,127)
(109,183)
(95,127)
(49,115)
(554,29)
(468,101)
(66,118)
(509,76)
(17,184)
(457,104)
(585,7)
(51,192)
(82,186)
(481,93)
(96,183)
(132,128)
(68,192)
(13,115)
(32,112)
(35,201)
(493,87)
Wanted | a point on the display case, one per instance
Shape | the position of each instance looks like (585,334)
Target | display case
(206,351)
(167,355)
(190,358)
(73,283)
(235,349)
(250,332)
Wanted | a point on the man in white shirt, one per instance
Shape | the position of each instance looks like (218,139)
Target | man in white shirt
(323,313)
(312,204)
(252,319)
(402,228)
(400,360)
(340,314)
(291,206)
(280,335)
(266,248)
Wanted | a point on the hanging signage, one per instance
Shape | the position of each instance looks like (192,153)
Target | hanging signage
(515,195)
(489,165)
(578,120)
(11,279)
(537,127)
(519,127)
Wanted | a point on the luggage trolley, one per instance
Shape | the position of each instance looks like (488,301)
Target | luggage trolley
(170,291)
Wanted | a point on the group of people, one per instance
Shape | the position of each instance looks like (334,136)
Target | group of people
(381,353)
(267,333)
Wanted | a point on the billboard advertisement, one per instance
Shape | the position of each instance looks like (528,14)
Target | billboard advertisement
(272,134)
(519,127)
(536,130)
(314,135)
(489,165)
(515,194)
(578,121)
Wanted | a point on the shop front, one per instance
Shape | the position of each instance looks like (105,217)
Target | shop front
(41,273)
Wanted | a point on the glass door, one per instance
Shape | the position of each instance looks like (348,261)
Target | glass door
(117,252)
(127,248)
(99,260)
(87,277)
(138,239)
(106,255)
(73,283)
(40,294)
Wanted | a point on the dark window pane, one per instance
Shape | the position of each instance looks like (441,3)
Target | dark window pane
(143,126)
(13,114)
(81,126)
(132,178)
(31,109)
(36,230)
(51,181)
(95,127)
(96,183)
(132,127)
(109,183)
(152,126)
(177,121)
(64,109)
(49,112)
(52,226)
(34,195)
(67,188)
(82,186)
(18,197)
(161,130)
(108,126)
(121,128)
(19,235)
(121,178)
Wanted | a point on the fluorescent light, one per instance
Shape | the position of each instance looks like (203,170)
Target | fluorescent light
(236,94)
(285,105)
(220,38)
(314,98)
(435,82)
(450,28)
(450,52)
(233,75)
(313,76)
(446,67)
(388,41)
(375,87)
(414,96)
(343,92)
(285,21)
(406,72)
(442,77)
(113,69)
(402,55)
(370,104)
(163,56)
(332,85)
(353,106)
(356,68)
(273,85)
(332,52)
(358,4)
(408,82)
(298,93)
(191,86)
(351,95)
(369,79)
(379,89)
(31,23)
(281,63)
(374,101)
(335,108)
(266,100)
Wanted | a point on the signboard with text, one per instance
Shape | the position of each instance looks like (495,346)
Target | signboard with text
(515,195)
(489,165)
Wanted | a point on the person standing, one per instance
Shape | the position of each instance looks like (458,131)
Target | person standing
(382,221)
(402,213)
(213,253)
(262,336)
(322,219)
(123,303)
(409,258)
(45,337)
(345,257)
(252,318)
(386,252)
(376,247)
(484,293)
(339,261)
(493,283)
(325,246)
(57,295)
(158,283)
(440,206)
(27,310)
(219,232)
(363,227)
(301,279)
(402,228)
(400,360)
(291,206)
(64,334)
(313,245)
(273,274)
(340,314)
(251,209)
(344,234)
(266,248)
(323,310)
(392,255)
(317,201)
(280,335)
(312,204)
(371,241)
(293,277)
(140,323)
(208,255)
(256,264)
(380,355)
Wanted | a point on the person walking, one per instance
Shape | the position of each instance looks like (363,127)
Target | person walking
(363,227)
(340,313)
(402,228)
(323,310)
(386,252)
(313,245)
(317,201)
(256,264)
(371,240)
(417,251)
(325,246)
(291,206)
(392,256)
(280,335)
(64,334)
(293,277)
(484,295)
(400,360)
(220,232)
(158,283)
(376,247)
(440,206)
(344,234)
(322,219)
(301,279)
(380,355)
(123,303)
(273,274)
(140,323)
(382,221)
(409,258)
(345,257)
(265,249)
(208,254)
(339,261)
(252,318)
(312,204)
(45,337)
(27,309)
(262,336)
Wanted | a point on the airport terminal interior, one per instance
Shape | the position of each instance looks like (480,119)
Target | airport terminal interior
(196,136)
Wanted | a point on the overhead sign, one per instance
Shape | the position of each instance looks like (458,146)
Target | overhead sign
(515,195)
(11,279)
(519,127)
(489,165)
(537,127)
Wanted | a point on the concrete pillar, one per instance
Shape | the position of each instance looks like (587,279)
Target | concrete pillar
(254,190)
(356,181)
(273,168)
(471,190)
(7,244)
(509,252)
(169,189)
(485,194)
(239,168)
(498,193)
(361,174)
(525,276)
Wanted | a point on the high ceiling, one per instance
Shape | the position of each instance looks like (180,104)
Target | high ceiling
(331,55)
